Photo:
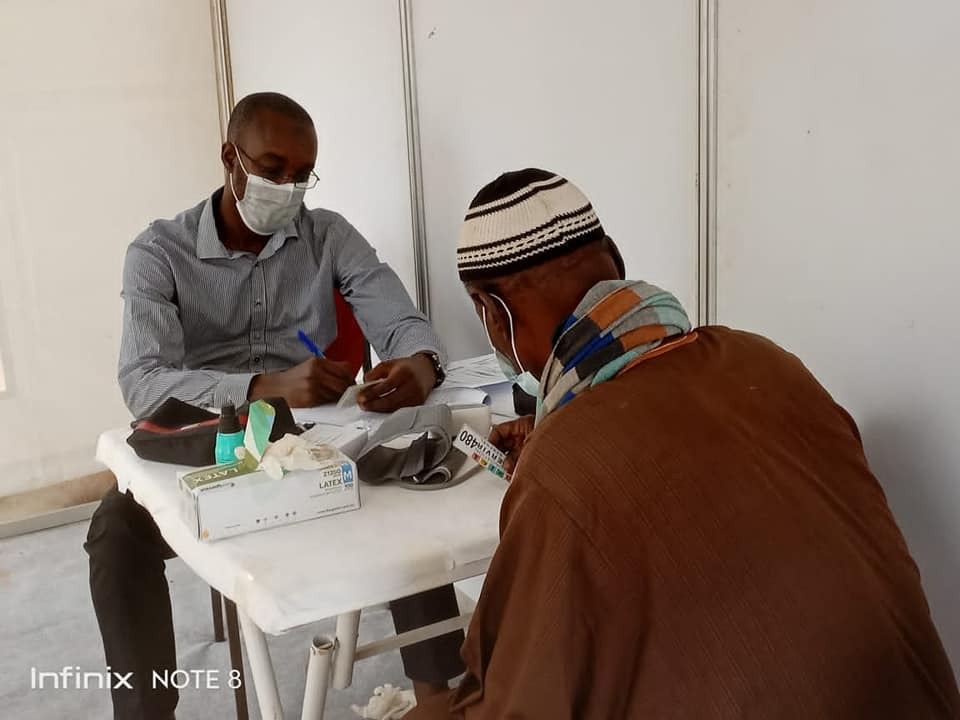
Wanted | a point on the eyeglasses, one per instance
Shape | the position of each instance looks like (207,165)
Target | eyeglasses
(307,182)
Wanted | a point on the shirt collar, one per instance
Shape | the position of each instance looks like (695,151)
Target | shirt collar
(209,245)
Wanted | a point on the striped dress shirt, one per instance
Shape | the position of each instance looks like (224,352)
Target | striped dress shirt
(201,321)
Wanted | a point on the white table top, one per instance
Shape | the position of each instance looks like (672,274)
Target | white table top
(398,543)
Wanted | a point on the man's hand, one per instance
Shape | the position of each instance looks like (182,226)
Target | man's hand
(510,437)
(405,382)
(313,382)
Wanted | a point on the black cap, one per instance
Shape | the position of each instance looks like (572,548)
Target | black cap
(229,423)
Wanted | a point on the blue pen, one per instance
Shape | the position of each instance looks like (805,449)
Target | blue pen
(305,339)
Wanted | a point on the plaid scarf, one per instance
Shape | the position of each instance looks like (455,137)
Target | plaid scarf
(616,325)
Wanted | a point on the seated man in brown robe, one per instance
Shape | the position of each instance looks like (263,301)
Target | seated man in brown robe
(692,529)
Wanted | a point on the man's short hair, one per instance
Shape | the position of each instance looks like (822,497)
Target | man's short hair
(248,107)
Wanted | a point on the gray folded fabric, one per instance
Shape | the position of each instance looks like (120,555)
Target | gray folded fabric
(429,463)
(439,476)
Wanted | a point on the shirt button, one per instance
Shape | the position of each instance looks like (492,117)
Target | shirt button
(257,303)
(257,359)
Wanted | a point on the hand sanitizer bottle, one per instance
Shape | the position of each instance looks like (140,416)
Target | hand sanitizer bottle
(229,436)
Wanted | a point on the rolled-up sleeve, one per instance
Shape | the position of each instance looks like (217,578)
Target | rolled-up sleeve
(383,308)
(151,349)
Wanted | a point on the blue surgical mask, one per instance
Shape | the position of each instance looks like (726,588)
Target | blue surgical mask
(525,379)
(527,382)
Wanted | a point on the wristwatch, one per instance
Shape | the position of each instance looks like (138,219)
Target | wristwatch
(438,370)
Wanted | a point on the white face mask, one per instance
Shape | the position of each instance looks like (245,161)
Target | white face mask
(266,206)
(525,379)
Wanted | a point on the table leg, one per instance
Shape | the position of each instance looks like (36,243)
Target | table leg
(348,629)
(216,602)
(318,678)
(236,660)
(264,678)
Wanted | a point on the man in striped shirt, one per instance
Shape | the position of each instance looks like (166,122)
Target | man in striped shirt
(213,302)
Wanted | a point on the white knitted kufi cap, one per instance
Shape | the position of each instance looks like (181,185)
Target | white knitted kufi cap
(522,219)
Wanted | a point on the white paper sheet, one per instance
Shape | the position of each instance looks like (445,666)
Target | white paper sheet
(476,372)
(349,397)
(332,414)
(445,395)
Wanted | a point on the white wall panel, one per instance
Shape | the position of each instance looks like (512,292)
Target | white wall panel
(837,230)
(602,92)
(108,121)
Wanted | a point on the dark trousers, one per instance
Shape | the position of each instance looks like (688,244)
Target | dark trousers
(132,603)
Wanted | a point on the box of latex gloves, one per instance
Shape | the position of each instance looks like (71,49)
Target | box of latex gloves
(270,485)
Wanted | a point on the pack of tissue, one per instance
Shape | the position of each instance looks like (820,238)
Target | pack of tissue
(270,484)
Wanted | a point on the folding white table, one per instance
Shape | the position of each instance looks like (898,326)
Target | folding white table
(398,543)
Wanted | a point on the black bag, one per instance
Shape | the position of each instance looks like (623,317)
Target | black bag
(184,434)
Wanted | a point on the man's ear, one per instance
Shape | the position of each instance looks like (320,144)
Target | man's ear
(486,306)
(228,156)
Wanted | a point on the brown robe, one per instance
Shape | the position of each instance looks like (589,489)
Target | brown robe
(701,537)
